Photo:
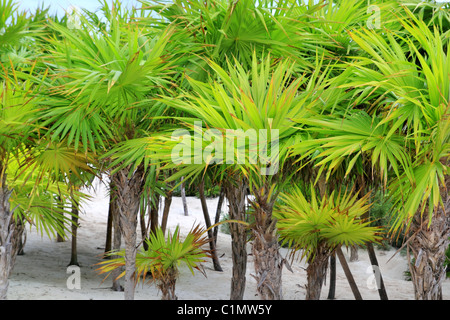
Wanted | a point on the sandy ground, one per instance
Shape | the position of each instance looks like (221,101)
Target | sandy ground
(42,273)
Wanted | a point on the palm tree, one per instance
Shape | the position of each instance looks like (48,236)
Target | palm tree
(163,257)
(221,30)
(418,108)
(262,102)
(31,167)
(320,225)
(405,134)
(106,74)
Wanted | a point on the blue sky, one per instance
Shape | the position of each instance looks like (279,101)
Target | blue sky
(59,6)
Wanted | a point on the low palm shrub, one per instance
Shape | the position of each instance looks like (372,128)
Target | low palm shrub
(163,257)
(317,226)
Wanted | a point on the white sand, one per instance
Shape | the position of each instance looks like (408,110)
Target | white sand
(41,273)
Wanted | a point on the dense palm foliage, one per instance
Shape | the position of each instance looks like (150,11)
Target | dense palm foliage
(284,104)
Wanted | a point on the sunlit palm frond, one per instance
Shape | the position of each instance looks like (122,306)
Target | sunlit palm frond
(307,221)
(164,254)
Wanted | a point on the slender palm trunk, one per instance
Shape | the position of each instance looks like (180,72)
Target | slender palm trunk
(6,232)
(332,290)
(235,193)
(374,262)
(116,237)
(143,226)
(166,210)
(212,243)
(266,249)
(316,272)
(10,234)
(74,253)
(348,274)
(167,285)
(154,214)
(129,189)
(60,237)
(116,243)
(109,228)
(218,212)
(183,197)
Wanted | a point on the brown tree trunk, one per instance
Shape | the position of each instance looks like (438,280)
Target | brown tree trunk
(129,190)
(154,214)
(374,261)
(10,234)
(218,212)
(167,285)
(183,196)
(348,274)
(212,243)
(74,253)
(116,240)
(235,192)
(332,290)
(428,245)
(109,228)
(60,237)
(266,249)
(428,248)
(316,272)
(354,254)
(166,209)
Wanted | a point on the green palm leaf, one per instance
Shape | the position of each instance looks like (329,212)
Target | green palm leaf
(306,223)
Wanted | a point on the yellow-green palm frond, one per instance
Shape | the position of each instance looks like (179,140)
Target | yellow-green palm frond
(164,254)
(307,222)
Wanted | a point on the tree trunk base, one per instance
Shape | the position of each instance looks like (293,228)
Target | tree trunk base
(268,267)
(236,195)
(129,190)
(428,247)
(316,273)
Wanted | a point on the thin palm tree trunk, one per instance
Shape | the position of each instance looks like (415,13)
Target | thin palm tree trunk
(109,228)
(374,261)
(212,244)
(266,257)
(316,272)
(74,253)
(116,240)
(235,193)
(129,190)
(428,249)
(154,214)
(218,212)
(143,226)
(332,290)
(6,232)
(10,234)
(59,237)
(183,196)
(166,209)
(348,274)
